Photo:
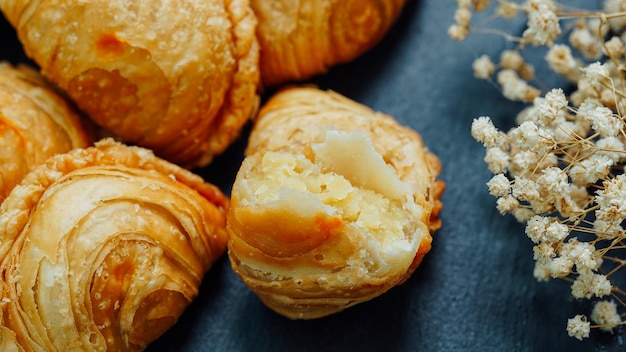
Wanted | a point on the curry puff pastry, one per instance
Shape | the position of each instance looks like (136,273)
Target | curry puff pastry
(103,248)
(333,205)
(302,38)
(36,122)
(178,77)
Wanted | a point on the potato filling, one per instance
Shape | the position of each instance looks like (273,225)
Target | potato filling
(347,178)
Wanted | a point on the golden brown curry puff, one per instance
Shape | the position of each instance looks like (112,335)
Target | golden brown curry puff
(36,122)
(334,204)
(103,248)
(302,38)
(177,77)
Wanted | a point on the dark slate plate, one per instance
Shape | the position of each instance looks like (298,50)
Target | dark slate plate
(474,291)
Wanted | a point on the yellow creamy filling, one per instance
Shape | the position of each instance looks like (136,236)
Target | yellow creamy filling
(363,191)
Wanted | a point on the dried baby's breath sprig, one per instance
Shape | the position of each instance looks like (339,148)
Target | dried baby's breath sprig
(483,67)
(560,170)
(605,315)
(578,327)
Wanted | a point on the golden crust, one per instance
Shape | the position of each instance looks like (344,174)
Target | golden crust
(333,205)
(103,248)
(177,77)
(302,38)
(36,122)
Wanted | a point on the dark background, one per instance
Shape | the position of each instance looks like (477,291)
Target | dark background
(475,290)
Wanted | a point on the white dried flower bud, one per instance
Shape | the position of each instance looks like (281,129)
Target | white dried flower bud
(556,99)
(581,127)
(522,215)
(499,186)
(567,206)
(550,109)
(607,96)
(607,230)
(561,61)
(458,33)
(598,27)
(525,136)
(542,206)
(566,248)
(587,106)
(544,252)
(545,161)
(578,327)
(463,16)
(483,67)
(546,229)
(485,132)
(526,72)
(585,90)
(595,73)
(525,189)
(612,148)
(614,47)
(515,88)
(507,204)
(547,138)
(541,272)
(543,23)
(560,267)
(556,232)
(589,284)
(497,160)
(523,162)
(617,23)
(612,200)
(528,113)
(605,122)
(589,171)
(585,109)
(566,131)
(554,181)
(584,255)
(587,43)
(511,60)
(579,194)
(605,314)
(536,228)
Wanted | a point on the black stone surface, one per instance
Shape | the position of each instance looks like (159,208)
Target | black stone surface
(475,290)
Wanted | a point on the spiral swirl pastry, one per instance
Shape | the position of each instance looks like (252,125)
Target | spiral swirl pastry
(333,205)
(302,38)
(177,77)
(36,122)
(103,248)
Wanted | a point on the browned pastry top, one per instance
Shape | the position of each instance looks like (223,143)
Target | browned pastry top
(302,38)
(104,248)
(178,77)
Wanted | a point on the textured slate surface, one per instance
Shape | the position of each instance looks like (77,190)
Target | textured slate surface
(474,291)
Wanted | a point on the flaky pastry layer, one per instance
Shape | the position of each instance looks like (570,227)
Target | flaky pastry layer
(302,38)
(36,122)
(103,248)
(178,77)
